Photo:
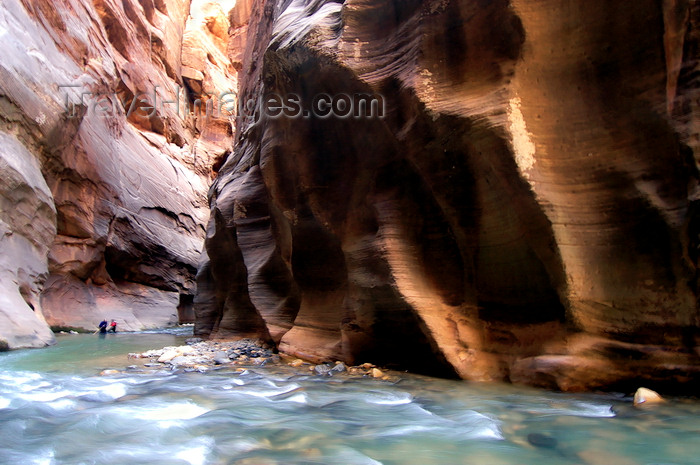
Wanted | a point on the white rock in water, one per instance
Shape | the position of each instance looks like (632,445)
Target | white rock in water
(108,372)
(646,396)
(186,350)
(168,355)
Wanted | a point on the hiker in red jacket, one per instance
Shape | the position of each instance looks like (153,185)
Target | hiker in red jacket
(113,326)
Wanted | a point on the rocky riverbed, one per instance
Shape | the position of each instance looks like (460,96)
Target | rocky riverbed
(200,355)
(203,356)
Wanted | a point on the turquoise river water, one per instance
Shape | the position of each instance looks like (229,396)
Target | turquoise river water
(56,409)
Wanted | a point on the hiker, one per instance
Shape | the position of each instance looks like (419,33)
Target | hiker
(113,326)
(103,327)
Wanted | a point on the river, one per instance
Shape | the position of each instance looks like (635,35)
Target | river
(55,408)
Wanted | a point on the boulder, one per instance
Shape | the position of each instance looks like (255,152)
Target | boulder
(644,396)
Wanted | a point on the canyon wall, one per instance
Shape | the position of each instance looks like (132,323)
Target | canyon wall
(520,205)
(106,158)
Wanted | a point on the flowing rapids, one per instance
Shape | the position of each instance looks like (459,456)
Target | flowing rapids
(56,409)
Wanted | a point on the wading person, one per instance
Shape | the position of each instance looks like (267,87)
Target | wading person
(102,328)
(113,326)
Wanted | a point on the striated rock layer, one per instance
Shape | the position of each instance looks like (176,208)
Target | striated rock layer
(106,152)
(524,209)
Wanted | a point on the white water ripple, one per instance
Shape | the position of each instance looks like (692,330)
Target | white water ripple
(577,409)
(172,411)
(276,416)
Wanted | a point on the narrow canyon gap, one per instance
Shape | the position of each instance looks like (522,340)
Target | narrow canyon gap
(106,159)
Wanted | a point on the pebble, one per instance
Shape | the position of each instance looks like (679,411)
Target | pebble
(198,354)
(202,356)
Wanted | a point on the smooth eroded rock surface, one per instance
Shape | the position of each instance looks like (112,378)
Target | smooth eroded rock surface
(645,396)
(27,229)
(524,209)
(101,100)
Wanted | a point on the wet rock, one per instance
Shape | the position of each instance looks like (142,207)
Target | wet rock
(211,354)
(193,340)
(109,372)
(221,358)
(181,360)
(645,396)
(339,368)
(323,369)
(186,350)
(542,440)
(168,356)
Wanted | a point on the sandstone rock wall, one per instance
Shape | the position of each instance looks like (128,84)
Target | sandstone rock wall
(109,158)
(27,228)
(524,210)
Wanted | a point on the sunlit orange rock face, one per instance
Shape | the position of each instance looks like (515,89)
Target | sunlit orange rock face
(524,210)
(105,170)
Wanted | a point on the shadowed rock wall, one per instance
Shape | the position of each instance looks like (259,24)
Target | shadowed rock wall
(105,158)
(524,210)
